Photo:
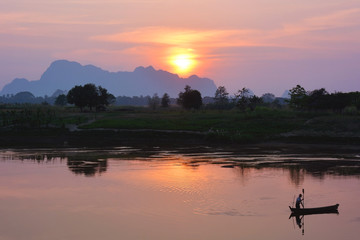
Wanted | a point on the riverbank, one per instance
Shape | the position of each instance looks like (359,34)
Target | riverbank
(48,138)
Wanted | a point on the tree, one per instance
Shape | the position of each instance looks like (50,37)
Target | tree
(76,96)
(297,97)
(339,101)
(165,100)
(24,97)
(318,99)
(254,101)
(242,98)
(190,98)
(268,97)
(111,99)
(92,96)
(89,96)
(104,98)
(154,101)
(221,97)
(246,100)
(61,100)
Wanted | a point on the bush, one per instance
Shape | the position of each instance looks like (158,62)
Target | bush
(351,110)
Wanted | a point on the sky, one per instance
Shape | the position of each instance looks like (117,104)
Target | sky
(268,46)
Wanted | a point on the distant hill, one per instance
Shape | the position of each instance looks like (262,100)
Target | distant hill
(286,94)
(64,75)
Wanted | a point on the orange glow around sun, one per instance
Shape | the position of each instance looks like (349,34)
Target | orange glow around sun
(183,61)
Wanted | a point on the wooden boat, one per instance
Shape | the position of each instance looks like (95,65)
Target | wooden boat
(318,210)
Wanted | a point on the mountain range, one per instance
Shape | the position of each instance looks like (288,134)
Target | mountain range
(64,75)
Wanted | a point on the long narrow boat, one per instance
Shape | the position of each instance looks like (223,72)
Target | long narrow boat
(318,210)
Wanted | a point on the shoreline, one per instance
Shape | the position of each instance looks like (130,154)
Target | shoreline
(108,138)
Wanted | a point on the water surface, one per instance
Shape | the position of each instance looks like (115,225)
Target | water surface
(127,193)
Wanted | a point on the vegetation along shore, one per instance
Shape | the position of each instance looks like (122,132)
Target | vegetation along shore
(306,117)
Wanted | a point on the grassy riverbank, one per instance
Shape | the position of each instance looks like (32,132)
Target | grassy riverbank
(67,126)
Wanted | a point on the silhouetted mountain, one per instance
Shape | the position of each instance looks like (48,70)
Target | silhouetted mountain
(58,92)
(64,75)
(286,94)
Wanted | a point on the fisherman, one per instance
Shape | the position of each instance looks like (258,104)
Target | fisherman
(299,201)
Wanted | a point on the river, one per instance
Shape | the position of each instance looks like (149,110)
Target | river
(184,193)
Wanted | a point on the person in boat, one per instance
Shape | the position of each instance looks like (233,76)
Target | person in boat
(299,201)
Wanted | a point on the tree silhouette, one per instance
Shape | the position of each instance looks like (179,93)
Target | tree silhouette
(318,99)
(154,101)
(242,98)
(298,97)
(221,97)
(190,98)
(61,100)
(165,100)
(105,98)
(89,96)
(76,96)
(268,97)
(245,100)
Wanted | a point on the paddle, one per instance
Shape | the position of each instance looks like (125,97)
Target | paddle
(303,198)
(303,219)
(293,201)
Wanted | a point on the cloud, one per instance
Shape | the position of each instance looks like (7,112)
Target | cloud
(333,21)
(319,35)
(325,34)
(183,37)
(305,33)
(48,19)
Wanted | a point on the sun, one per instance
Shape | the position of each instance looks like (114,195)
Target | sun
(183,63)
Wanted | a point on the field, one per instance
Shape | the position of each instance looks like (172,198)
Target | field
(63,126)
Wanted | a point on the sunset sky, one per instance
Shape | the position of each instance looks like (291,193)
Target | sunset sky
(264,45)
